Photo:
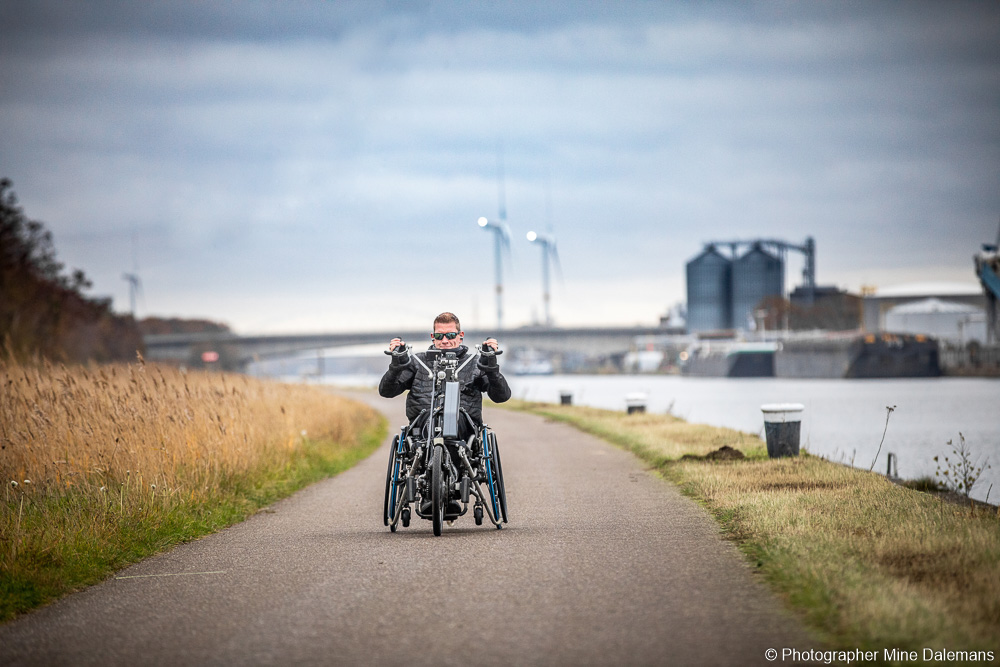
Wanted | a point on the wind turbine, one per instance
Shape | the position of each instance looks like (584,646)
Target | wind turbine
(134,284)
(501,243)
(549,252)
(134,288)
(501,238)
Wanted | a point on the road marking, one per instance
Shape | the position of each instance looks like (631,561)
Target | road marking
(176,574)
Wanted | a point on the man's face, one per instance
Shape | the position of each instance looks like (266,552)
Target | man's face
(444,343)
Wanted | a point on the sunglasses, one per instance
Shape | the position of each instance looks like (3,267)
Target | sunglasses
(451,335)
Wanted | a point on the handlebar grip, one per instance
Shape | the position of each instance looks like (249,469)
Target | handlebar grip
(400,349)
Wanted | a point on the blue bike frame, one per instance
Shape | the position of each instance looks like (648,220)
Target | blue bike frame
(400,448)
(488,462)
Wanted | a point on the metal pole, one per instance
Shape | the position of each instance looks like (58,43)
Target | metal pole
(497,259)
(545,283)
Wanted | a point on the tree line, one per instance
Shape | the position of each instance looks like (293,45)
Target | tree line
(43,311)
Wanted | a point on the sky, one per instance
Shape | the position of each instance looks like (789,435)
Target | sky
(310,166)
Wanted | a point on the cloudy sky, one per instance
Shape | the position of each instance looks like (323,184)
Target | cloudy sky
(311,166)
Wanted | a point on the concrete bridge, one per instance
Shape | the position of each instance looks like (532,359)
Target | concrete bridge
(236,351)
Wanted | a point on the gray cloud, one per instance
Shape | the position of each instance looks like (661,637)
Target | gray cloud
(307,153)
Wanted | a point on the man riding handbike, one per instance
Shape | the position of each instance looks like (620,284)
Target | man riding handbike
(445,455)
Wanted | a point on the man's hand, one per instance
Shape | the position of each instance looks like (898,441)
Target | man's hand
(492,342)
(394,343)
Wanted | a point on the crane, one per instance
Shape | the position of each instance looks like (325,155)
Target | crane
(988,269)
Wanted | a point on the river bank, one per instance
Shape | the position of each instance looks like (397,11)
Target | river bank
(844,420)
(870,564)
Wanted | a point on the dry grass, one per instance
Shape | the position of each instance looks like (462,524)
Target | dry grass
(655,437)
(871,564)
(118,461)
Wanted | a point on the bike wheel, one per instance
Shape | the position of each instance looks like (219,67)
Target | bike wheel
(437,491)
(389,506)
(498,476)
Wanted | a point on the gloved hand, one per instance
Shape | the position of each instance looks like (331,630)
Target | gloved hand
(400,357)
(488,361)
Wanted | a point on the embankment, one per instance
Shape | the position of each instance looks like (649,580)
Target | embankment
(869,564)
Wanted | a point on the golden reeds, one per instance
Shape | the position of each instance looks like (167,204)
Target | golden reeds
(103,426)
(102,465)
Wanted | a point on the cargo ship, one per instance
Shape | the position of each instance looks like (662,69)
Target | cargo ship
(834,355)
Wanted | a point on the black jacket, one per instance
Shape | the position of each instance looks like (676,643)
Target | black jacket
(480,374)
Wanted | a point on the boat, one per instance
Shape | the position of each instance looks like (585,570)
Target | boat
(817,355)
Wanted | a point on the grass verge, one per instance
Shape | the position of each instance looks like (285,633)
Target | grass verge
(870,564)
(105,466)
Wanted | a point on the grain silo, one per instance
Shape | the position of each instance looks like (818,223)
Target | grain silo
(756,275)
(708,291)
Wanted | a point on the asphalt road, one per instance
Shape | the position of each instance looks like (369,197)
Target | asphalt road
(602,564)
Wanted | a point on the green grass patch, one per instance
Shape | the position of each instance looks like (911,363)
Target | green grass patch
(868,563)
(53,545)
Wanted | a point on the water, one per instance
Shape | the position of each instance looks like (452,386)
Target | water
(843,419)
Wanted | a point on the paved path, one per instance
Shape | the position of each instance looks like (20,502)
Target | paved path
(602,564)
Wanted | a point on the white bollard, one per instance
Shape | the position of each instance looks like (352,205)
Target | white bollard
(635,402)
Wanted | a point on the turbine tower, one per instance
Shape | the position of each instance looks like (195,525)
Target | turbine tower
(501,237)
(134,284)
(501,242)
(549,252)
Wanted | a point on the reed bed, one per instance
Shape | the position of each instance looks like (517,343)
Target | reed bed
(103,465)
(870,564)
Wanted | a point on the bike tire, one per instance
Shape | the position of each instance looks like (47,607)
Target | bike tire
(498,471)
(387,511)
(437,491)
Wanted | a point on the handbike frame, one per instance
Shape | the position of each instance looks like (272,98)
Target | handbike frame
(411,475)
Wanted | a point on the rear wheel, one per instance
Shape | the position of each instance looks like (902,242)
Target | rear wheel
(497,470)
(437,491)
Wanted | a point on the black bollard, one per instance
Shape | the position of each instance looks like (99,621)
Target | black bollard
(782,426)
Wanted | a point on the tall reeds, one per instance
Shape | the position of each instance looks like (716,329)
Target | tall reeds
(117,461)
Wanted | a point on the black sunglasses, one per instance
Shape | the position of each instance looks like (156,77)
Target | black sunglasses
(451,335)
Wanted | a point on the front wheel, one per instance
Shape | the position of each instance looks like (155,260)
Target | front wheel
(437,490)
(389,506)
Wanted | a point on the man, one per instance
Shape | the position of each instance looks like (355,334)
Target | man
(475,375)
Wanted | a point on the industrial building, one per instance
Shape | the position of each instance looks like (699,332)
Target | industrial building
(879,303)
(955,323)
(709,286)
(724,292)
(757,275)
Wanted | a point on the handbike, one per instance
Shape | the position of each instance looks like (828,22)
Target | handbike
(432,471)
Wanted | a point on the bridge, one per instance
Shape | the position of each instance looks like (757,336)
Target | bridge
(236,351)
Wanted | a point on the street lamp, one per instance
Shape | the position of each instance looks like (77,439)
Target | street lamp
(501,241)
